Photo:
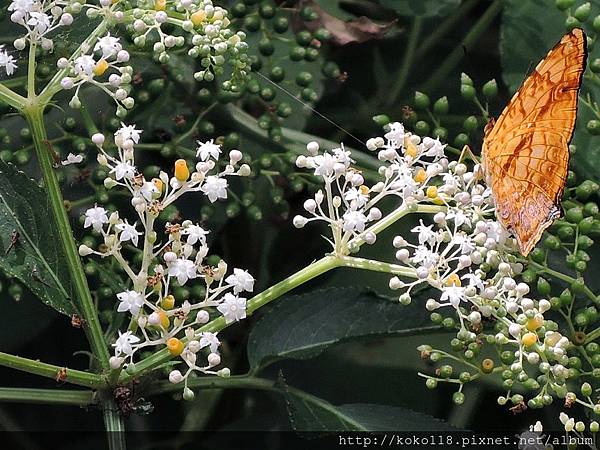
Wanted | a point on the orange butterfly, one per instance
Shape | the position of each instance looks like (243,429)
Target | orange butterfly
(526,151)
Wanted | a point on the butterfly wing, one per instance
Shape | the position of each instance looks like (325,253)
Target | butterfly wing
(526,152)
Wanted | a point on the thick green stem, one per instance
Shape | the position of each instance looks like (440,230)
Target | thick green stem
(407,63)
(83,300)
(454,58)
(308,273)
(73,376)
(11,98)
(114,424)
(48,396)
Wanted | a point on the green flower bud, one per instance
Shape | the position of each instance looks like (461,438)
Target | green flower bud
(422,128)
(470,124)
(468,92)
(574,215)
(465,79)
(441,106)
(572,23)
(490,89)
(582,13)
(421,100)
(564,4)
(431,383)
(458,398)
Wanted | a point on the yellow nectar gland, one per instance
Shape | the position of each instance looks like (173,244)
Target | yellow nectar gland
(168,302)
(453,280)
(198,17)
(535,322)
(175,346)
(182,173)
(529,339)
(164,320)
(410,149)
(160,5)
(432,192)
(100,67)
(421,175)
(364,190)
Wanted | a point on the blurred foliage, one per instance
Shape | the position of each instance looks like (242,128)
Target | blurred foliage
(404,59)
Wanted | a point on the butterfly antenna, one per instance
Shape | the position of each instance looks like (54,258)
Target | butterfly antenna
(306,105)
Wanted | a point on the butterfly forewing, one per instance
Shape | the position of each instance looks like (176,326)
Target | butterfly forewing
(526,152)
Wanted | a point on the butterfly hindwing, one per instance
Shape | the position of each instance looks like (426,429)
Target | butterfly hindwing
(526,152)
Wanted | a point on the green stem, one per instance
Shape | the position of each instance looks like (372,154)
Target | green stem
(454,58)
(377,266)
(31,71)
(407,63)
(73,376)
(12,98)
(115,426)
(308,273)
(34,115)
(48,396)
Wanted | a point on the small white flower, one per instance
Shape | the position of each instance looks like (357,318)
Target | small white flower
(124,169)
(233,308)
(425,257)
(324,165)
(396,134)
(241,280)
(72,159)
(195,233)
(426,233)
(123,343)
(453,294)
(128,232)
(128,132)
(39,21)
(7,61)
(131,301)
(183,269)
(95,217)
(354,221)
(215,188)
(210,340)
(356,195)
(109,45)
(84,65)
(208,149)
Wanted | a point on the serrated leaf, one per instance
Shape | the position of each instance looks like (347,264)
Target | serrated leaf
(310,413)
(36,258)
(302,326)
(536,25)
(421,8)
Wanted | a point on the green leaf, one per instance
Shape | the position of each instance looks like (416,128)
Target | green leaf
(536,25)
(36,259)
(310,413)
(302,326)
(421,8)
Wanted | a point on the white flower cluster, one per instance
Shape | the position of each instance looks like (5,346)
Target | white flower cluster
(180,256)
(463,253)
(105,67)
(350,204)
(41,17)
(212,40)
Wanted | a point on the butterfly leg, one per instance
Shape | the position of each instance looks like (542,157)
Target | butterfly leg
(468,153)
